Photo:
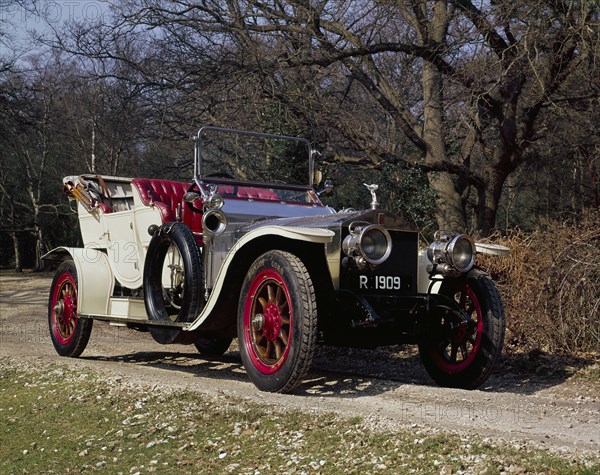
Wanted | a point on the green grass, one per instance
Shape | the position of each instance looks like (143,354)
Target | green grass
(590,373)
(73,422)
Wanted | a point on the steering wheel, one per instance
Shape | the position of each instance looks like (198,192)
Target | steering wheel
(191,205)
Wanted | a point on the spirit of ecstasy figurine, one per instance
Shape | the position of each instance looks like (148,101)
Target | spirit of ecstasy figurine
(373,188)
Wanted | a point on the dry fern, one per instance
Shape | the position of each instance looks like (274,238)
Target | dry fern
(550,284)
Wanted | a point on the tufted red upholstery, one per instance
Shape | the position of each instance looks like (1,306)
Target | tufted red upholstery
(167,196)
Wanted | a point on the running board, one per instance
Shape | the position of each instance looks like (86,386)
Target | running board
(121,321)
(129,310)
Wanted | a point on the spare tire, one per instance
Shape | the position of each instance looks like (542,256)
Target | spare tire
(173,281)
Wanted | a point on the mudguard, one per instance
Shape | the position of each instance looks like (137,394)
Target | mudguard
(95,280)
(316,235)
(424,284)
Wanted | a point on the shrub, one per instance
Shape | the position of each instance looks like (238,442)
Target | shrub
(550,284)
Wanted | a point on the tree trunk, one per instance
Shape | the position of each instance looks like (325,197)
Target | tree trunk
(450,212)
(93,167)
(17,249)
(37,232)
(39,249)
(488,200)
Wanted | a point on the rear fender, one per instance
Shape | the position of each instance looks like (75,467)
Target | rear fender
(95,280)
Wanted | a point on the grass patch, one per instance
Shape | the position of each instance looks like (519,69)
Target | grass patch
(62,421)
(590,373)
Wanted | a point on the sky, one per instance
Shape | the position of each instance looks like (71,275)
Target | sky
(18,21)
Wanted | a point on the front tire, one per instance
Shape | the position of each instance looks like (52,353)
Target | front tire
(277,322)
(462,355)
(70,334)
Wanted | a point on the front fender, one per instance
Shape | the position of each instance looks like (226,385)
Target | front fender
(424,284)
(317,235)
(312,235)
(95,280)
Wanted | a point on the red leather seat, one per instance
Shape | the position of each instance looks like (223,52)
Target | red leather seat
(167,196)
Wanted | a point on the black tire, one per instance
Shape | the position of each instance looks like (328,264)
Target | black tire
(70,334)
(182,298)
(212,346)
(458,356)
(278,345)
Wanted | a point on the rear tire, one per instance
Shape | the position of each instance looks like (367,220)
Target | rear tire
(463,357)
(277,322)
(212,346)
(70,334)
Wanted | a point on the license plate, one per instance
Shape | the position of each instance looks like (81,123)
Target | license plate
(379,282)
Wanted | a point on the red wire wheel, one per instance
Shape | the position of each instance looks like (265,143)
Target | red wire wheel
(69,333)
(462,354)
(464,341)
(277,322)
(64,308)
(268,316)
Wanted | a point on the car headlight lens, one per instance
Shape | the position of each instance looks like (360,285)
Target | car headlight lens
(462,255)
(449,253)
(375,244)
(368,245)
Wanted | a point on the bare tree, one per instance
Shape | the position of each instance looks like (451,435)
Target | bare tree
(34,153)
(465,91)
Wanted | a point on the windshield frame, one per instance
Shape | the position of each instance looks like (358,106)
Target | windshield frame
(198,163)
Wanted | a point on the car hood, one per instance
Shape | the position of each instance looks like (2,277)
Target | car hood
(336,221)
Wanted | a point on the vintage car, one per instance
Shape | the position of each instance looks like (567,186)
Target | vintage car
(248,250)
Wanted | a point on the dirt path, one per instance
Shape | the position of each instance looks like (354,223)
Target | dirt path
(535,403)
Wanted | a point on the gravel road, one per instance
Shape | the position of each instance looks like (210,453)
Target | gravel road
(535,404)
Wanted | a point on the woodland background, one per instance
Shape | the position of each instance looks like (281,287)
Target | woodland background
(476,115)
